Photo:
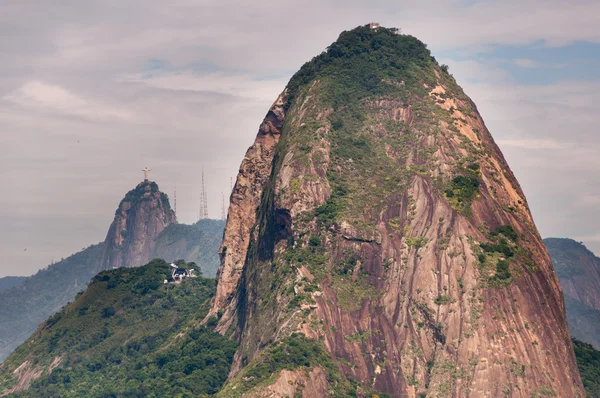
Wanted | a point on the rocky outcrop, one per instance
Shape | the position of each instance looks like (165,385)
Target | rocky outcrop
(141,216)
(245,198)
(28,372)
(578,270)
(310,384)
(380,219)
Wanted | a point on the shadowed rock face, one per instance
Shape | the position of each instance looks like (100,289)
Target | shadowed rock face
(245,198)
(578,270)
(141,216)
(376,215)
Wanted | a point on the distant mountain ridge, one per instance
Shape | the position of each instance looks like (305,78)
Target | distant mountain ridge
(198,243)
(578,270)
(25,306)
(10,281)
(31,301)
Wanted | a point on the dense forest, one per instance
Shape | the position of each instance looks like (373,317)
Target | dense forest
(588,361)
(128,335)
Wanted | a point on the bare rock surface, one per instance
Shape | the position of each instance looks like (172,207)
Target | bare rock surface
(141,216)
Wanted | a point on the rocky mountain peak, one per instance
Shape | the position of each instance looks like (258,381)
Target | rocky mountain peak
(375,220)
(141,216)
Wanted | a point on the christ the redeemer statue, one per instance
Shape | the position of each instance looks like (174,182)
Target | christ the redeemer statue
(146,170)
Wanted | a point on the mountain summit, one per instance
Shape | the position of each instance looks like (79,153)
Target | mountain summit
(141,216)
(378,242)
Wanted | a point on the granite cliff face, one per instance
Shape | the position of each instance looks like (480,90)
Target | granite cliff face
(241,217)
(578,270)
(141,216)
(376,218)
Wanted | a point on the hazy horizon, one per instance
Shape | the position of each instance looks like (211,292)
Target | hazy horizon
(92,92)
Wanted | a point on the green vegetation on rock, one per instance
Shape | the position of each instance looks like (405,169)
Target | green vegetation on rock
(461,191)
(360,61)
(442,299)
(361,65)
(293,352)
(496,256)
(138,194)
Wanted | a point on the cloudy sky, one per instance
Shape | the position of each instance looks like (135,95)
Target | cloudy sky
(93,91)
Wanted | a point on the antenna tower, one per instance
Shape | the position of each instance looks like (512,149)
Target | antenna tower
(223,211)
(203,200)
(201,210)
(175,201)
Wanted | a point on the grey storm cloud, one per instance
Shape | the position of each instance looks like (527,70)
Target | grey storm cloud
(93,91)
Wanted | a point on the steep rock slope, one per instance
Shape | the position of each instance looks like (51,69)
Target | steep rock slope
(578,270)
(127,335)
(141,216)
(375,215)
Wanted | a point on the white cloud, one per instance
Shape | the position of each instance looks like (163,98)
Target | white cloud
(36,95)
(238,85)
(525,63)
(556,22)
(533,144)
(86,64)
(589,200)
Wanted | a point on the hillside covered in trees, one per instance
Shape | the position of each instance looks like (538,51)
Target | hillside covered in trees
(127,335)
(33,299)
